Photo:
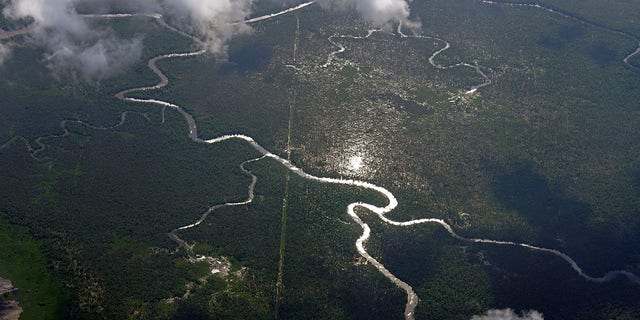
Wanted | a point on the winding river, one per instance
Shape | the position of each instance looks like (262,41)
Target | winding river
(573,17)
(14,33)
(392,202)
(380,211)
(432,58)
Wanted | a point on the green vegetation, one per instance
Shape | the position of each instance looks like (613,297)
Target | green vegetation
(22,261)
(547,154)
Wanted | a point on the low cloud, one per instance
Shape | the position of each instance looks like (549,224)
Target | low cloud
(215,20)
(5,52)
(102,59)
(72,46)
(380,13)
(509,314)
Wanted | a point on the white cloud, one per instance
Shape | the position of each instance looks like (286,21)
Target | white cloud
(380,13)
(67,35)
(5,52)
(57,14)
(215,20)
(102,59)
(72,46)
(509,314)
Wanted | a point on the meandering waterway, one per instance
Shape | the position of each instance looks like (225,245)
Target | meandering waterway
(412,298)
(380,211)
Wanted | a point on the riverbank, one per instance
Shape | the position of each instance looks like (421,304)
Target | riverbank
(9,309)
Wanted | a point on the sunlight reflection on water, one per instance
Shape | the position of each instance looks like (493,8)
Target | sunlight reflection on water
(355,158)
(355,163)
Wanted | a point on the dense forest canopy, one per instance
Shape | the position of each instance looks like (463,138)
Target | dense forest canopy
(163,159)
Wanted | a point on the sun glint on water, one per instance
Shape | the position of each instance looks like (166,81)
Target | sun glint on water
(355,163)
